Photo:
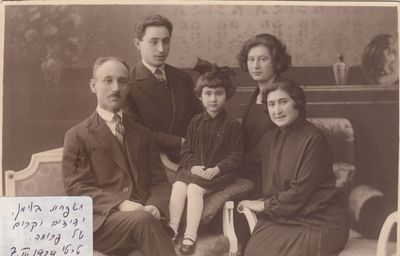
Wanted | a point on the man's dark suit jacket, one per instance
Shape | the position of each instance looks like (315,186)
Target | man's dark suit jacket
(166,112)
(95,165)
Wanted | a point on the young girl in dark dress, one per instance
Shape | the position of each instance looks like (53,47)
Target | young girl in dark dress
(301,212)
(210,155)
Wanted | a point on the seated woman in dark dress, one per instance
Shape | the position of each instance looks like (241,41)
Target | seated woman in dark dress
(301,212)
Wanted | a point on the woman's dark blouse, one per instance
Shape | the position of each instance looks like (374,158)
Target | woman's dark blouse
(297,175)
(212,142)
(256,123)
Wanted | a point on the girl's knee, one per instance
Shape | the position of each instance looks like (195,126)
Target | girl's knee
(179,188)
(194,189)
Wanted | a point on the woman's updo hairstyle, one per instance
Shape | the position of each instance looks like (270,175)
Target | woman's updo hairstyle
(281,60)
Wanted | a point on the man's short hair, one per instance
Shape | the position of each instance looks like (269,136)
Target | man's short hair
(99,61)
(152,20)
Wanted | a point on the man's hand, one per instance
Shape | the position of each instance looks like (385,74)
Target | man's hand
(197,170)
(153,211)
(254,205)
(210,173)
(127,205)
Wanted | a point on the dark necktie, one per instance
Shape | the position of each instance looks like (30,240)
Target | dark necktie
(159,75)
(119,129)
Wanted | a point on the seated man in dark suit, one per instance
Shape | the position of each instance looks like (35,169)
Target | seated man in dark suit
(161,97)
(116,162)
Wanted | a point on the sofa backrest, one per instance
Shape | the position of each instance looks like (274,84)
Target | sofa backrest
(43,175)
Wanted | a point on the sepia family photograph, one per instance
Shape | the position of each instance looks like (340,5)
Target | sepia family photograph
(206,128)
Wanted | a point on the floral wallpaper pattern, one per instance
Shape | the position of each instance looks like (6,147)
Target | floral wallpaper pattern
(72,35)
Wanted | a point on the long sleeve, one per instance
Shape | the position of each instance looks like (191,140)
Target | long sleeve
(309,176)
(233,156)
(188,157)
(160,188)
(297,172)
(79,178)
(165,141)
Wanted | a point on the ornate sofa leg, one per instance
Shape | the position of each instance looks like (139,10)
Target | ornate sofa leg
(228,228)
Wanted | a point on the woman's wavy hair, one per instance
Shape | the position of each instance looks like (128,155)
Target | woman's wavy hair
(281,60)
(214,77)
(292,89)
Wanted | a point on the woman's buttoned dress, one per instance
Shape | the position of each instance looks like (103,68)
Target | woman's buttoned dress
(304,213)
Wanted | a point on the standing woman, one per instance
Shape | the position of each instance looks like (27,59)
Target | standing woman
(301,212)
(264,57)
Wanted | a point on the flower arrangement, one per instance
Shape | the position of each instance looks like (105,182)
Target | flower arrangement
(48,36)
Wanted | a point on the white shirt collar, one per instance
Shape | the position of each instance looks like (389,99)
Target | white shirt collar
(153,69)
(107,115)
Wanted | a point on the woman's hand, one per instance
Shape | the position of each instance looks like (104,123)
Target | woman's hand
(210,173)
(197,170)
(153,211)
(127,205)
(254,205)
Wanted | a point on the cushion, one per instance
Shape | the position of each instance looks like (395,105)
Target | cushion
(34,185)
(340,135)
(213,203)
(364,247)
(343,173)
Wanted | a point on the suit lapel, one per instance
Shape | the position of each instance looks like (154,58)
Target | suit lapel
(132,145)
(101,132)
(149,85)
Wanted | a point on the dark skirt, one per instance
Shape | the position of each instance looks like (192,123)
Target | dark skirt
(216,184)
(313,236)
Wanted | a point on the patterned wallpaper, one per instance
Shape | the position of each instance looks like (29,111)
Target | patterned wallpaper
(314,35)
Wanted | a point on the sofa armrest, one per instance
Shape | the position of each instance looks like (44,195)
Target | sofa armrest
(168,163)
(382,248)
(250,216)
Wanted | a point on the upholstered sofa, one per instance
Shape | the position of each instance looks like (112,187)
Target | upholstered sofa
(43,177)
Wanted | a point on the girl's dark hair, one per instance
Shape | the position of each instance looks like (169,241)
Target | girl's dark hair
(292,89)
(216,77)
(281,60)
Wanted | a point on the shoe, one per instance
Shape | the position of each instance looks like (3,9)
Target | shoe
(174,238)
(171,233)
(188,248)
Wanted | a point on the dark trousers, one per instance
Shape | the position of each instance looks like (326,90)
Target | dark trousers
(123,232)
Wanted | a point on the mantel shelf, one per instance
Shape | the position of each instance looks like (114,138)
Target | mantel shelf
(335,88)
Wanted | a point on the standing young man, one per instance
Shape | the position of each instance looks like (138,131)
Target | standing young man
(161,97)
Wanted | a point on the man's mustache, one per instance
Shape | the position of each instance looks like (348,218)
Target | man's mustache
(115,94)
